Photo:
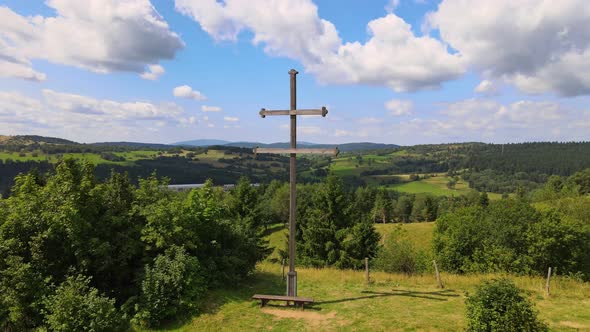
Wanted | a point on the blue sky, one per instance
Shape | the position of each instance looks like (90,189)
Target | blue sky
(403,72)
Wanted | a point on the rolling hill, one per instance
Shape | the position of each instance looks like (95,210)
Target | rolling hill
(346,147)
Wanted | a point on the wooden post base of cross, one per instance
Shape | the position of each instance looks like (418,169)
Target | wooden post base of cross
(292,283)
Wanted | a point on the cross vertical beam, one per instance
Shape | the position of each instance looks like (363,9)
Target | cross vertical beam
(293,151)
(292,275)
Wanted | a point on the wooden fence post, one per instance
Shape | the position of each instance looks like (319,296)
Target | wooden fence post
(440,284)
(548,281)
(367,270)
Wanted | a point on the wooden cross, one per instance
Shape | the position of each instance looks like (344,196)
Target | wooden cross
(293,151)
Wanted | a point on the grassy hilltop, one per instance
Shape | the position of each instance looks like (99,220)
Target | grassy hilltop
(393,302)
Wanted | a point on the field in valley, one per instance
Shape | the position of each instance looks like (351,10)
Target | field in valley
(436,185)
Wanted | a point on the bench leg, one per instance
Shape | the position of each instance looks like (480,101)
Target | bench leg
(263,303)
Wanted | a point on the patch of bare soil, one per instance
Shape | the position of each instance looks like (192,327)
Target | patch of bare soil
(312,319)
(574,325)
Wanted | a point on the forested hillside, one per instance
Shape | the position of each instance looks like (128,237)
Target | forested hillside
(224,165)
(497,168)
(440,169)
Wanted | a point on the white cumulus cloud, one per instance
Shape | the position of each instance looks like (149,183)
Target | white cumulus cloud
(486,87)
(231,119)
(99,35)
(488,120)
(185,91)
(393,56)
(153,72)
(207,108)
(398,107)
(85,118)
(109,109)
(539,46)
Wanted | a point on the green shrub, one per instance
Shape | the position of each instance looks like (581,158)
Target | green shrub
(398,254)
(498,305)
(171,286)
(76,306)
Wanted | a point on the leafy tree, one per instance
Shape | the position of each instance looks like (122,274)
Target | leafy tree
(279,202)
(485,239)
(118,250)
(76,306)
(403,208)
(227,251)
(424,208)
(165,223)
(172,285)
(582,181)
(381,210)
(269,212)
(558,242)
(498,305)
(22,288)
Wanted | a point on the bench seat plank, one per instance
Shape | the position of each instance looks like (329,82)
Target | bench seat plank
(295,299)
(282,298)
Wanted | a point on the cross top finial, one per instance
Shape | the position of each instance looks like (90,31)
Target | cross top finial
(293,72)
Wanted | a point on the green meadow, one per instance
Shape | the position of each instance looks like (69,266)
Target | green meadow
(391,302)
(436,185)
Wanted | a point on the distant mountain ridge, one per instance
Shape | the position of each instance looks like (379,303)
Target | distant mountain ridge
(346,147)
(202,142)
(133,144)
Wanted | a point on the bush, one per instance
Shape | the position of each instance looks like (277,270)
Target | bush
(76,306)
(486,238)
(498,305)
(399,254)
(111,156)
(171,286)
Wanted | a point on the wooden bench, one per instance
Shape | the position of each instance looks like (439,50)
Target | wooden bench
(299,301)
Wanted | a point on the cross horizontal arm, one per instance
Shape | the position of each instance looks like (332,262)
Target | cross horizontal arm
(333,151)
(323,111)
